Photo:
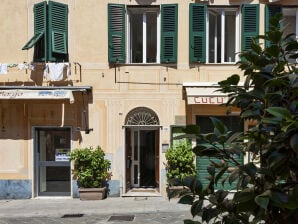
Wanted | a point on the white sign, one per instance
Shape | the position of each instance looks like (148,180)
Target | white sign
(207,99)
(36,94)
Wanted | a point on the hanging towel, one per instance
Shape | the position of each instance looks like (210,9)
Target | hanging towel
(3,69)
(54,71)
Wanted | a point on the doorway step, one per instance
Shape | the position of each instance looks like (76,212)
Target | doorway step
(142,192)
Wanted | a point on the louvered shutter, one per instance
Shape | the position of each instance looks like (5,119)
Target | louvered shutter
(270,11)
(197,32)
(40,24)
(250,24)
(57,31)
(116,33)
(169,17)
(233,124)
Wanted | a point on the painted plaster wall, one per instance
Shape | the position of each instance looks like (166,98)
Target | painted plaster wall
(115,91)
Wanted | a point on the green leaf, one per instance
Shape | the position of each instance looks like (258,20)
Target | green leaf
(186,199)
(263,199)
(244,195)
(279,112)
(294,142)
(196,207)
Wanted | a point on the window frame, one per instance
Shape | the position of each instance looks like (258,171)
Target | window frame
(237,35)
(144,32)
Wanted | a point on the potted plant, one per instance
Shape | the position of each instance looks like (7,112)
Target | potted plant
(91,170)
(179,166)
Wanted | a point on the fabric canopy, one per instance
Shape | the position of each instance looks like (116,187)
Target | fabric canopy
(37,94)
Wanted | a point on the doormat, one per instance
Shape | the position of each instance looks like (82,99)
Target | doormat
(72,215)
(143,190)
(128,218)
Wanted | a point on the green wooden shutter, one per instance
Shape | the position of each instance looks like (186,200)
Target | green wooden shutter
(40,24)
(58,31)
(233,123)
(116,33)
(250,24)
(197,32)
(270,11)
(169,17)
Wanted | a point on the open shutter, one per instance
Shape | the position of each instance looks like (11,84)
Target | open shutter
(270,11)
(197,32)
(116,24)
(40,24)
(58,31)
(169,17)
(250,24)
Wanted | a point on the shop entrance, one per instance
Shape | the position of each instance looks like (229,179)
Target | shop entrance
(52,166)
(142,150)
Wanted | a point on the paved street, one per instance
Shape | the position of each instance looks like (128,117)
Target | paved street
(153,210)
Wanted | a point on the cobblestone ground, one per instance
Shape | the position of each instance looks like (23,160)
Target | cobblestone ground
(141,218)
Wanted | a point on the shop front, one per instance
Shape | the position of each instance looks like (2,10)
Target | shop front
(202,102)
(39,126)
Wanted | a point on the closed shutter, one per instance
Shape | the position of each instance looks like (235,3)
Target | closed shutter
(169,17)
(250,24)
(270,11)
(197,32)
(116,33)
(40,24)
(58,31)
(233,123)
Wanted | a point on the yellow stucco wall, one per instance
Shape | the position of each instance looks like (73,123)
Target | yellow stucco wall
(115,91)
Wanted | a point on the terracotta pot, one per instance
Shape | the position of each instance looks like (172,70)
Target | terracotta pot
(93,193)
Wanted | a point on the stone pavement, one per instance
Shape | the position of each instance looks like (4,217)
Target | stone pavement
(134,210)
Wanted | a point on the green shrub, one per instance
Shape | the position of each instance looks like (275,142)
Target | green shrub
(180,163)
(90,166)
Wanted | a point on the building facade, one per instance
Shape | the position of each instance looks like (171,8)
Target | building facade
(122,74)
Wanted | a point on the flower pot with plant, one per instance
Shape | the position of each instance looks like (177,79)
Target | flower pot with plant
(179,166)
(91,170)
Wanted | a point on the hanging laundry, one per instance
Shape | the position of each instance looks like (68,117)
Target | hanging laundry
(54,71)
(3,69)
(23,66)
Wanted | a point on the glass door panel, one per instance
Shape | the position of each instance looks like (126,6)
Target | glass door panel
(53,166)
(135,171)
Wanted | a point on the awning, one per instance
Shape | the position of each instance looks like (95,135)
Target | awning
(204,93)
(42,93)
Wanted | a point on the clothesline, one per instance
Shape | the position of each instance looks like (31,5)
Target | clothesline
(51,71)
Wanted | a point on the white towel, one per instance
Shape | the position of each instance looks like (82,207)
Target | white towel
(54,71)
(3,69)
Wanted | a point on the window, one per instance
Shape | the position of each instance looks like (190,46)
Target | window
(143,34)
(222,35)
(290,20)
(50,32)
(214,32)
(150,35)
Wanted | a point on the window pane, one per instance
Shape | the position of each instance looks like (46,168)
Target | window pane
(151,19)
(136,35)
(230,31)
(218,38)
(212,37)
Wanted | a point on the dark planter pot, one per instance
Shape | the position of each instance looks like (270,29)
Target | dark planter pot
(93,193)
(176,191)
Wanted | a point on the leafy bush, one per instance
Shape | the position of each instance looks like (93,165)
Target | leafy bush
(267,185)
(90,166)
(180,163)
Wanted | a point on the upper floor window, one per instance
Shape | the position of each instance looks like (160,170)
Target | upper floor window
(214,32)
(222,35)
(143,34)
(290,20)
(150,35)
(50,32)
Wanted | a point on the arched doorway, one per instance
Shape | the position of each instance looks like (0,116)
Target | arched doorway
(142,149)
